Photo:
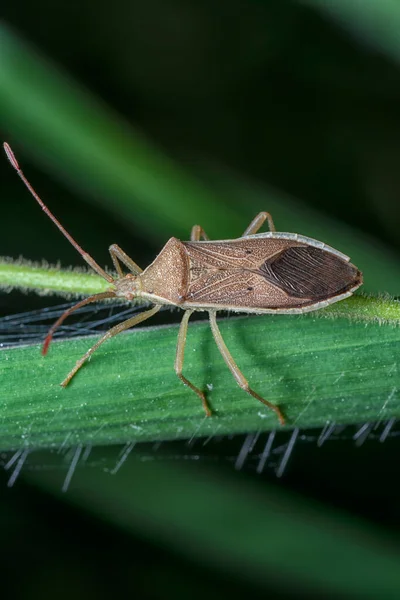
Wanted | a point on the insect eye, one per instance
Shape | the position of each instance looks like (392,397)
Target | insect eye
(249,251)
(250,289)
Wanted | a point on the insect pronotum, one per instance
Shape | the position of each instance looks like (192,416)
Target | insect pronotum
(260,273)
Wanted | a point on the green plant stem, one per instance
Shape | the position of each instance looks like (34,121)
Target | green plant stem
(45,279)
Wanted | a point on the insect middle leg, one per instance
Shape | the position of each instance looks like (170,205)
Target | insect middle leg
(180,352)
(198,233)
(117,254)
(258,222)
(111,333)
(234,369)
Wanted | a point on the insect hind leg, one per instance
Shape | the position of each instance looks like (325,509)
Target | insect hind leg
(234,369)
(180,352)
(258,222)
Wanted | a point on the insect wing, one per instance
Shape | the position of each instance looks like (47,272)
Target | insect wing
(266,273)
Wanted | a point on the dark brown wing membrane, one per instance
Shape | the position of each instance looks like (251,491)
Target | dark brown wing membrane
(308,272)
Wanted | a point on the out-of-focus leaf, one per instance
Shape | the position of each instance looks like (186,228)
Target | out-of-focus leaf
(264,535)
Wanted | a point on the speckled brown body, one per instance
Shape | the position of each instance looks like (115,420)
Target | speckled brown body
(166,279)
(274,272)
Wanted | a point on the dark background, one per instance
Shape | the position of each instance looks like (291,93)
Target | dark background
(279,96)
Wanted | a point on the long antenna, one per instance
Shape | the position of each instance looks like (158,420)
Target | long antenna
(91,262)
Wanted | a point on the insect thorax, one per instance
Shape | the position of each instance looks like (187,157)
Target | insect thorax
(167,276)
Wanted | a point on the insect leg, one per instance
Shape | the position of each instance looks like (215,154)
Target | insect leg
(257,223)
(94,298)
(198,233)
(180,351)
(117,254)
(111,333)
(240,379)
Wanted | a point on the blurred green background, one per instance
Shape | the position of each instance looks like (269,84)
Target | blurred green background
(134,121)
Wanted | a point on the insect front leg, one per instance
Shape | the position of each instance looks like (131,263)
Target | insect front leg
(180,353)
(94,298)
(198,233)
(258,222)
(111,333)
(117,254)
(234,369)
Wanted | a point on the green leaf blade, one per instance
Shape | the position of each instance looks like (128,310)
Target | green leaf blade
(316,370)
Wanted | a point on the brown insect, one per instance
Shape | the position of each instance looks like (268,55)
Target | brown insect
(270,272)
